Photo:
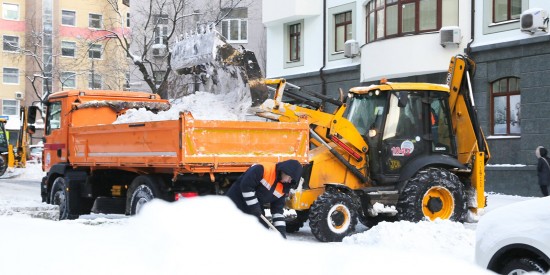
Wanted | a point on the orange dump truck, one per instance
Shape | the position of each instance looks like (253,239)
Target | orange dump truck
(95,165)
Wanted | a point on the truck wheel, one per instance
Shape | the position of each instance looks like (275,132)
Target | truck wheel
(59,196)
(332,217)
(142,190)
(432,193)
(294,224)
(521,266)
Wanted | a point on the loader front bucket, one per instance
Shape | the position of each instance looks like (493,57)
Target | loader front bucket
(220,67)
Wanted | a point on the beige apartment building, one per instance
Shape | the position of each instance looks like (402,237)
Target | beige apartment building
(52,45)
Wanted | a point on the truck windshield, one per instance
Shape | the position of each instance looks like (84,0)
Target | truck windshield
(366,111)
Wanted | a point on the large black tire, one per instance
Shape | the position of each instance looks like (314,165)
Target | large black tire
(332,217)
(295,223)
(432,193)
(3,165)
(143,189)
(521,266)
(60,197)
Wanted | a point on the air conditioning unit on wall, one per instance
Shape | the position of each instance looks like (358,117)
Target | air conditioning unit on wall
(450,36)
(18,95)
(159,51)
(533,20)
(351,48)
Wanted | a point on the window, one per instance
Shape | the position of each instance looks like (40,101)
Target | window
(506,105)
(235,27)
(94,81)
(68,18)
(395,18)
(504,10)
(161,30)
(68,48)
(95,51)
(295,34)
(343,30)
(10,11)
(10,76)
(95,21)
(68,80)
(53,117)
(9,107)
(128,19)
(10,43)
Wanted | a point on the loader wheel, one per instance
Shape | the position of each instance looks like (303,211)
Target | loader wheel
(142,190)
(59,196)
(293,224)
(332,217)
(3,165)
(432,193)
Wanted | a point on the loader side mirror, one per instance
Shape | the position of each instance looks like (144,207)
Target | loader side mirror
(403,99)
(31,129)
(31,114)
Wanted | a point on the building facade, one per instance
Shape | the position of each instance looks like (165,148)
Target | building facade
(52,45)
(413,40)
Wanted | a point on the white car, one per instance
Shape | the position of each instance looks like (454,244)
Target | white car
(35,153)
(515,239)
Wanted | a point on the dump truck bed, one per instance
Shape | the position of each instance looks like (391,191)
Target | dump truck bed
(188,145)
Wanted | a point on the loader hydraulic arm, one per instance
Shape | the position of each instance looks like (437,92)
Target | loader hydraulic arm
(338,127)
(462,106)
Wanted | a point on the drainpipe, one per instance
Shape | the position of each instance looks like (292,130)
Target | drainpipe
(472,29)
(321,73)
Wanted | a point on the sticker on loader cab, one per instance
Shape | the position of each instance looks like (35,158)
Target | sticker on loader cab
(394,164)
(407,147)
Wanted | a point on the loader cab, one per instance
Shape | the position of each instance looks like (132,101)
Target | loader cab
(400,127)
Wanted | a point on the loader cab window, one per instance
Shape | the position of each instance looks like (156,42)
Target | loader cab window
(404,116)
(366,112)
(53,117)
(440,127)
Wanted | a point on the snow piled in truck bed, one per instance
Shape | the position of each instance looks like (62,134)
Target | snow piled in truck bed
(202,105)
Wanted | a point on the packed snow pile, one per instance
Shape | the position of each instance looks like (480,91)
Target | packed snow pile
(202,105)
(428,237)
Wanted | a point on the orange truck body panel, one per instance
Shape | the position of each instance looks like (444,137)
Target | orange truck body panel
(179,146)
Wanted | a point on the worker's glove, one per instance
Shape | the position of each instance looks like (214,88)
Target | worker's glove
(282,230)
(255,210)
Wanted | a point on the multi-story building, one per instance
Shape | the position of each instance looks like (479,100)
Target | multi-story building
(52,45)
(413,40)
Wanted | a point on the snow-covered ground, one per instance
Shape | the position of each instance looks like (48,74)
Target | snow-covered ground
(208,235)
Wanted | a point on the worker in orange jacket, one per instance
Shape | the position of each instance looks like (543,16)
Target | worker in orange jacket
(266,183)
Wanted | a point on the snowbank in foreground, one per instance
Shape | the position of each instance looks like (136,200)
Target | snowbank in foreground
(205,235)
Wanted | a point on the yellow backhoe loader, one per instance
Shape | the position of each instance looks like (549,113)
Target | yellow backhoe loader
(17,157)
(397,151)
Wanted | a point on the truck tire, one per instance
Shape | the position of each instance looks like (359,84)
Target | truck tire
(59,196)
(143,189)
(521,266)
(293,224)
(432,193)
(332,217)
